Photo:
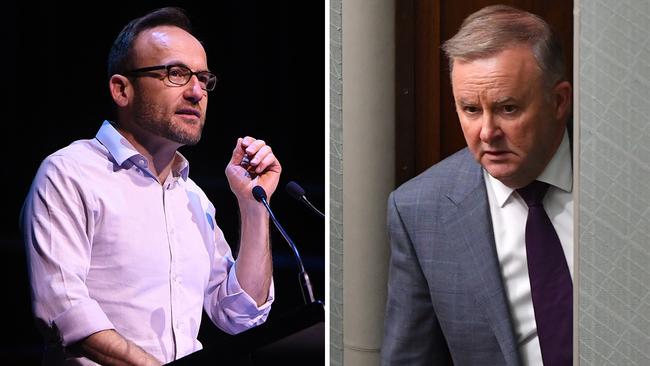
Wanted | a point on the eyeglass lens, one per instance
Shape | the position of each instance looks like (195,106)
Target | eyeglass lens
(181,75)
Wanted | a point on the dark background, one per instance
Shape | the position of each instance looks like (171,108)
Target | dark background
(269,57)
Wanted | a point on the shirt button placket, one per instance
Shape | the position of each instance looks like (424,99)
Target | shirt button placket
(174,294)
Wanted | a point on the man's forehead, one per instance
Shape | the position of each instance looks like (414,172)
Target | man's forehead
(496,84)
(159,37)
(505,73)
(494,90)
(515,57)
(165,36)
(169,42)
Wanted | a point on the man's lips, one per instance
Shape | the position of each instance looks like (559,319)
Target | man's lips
(495,153)
(189,112)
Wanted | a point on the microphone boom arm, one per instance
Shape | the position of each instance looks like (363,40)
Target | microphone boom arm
(306,201)
(303,277)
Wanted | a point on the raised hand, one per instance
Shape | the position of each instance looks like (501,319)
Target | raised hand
(252,163)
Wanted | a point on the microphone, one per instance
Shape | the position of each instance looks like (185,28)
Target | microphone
(296,191)
(305,284)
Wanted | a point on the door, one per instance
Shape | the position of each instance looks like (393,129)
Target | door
(427,127)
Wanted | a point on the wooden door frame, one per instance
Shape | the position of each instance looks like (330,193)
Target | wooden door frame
(424,133)
(417,77)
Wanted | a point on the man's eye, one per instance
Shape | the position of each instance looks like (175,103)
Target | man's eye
(509,108)
(471,109)
(176,71)
(203,77)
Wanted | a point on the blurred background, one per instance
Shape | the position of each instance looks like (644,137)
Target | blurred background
(269,57)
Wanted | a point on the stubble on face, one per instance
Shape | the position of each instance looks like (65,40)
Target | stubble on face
(159,109)
(151,118)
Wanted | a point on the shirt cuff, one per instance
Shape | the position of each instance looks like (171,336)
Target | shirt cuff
(80,321)
(239,308)
(234,289)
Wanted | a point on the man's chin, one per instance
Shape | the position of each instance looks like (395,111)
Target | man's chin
(184,138)
(188,134)
(499,171)
(188,140)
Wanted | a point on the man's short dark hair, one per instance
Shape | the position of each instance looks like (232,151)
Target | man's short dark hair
(119,57)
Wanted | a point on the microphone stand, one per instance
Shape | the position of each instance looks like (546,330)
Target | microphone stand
(303,277)
(304,200)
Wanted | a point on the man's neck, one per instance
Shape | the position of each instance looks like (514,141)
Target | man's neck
(159,152)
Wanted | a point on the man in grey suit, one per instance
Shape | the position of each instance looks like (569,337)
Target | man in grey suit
(459,289)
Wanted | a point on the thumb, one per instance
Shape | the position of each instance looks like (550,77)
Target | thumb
(238,153)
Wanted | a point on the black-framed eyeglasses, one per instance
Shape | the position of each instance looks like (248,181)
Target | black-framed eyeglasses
(179,75)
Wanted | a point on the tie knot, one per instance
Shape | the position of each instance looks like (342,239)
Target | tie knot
(533,193)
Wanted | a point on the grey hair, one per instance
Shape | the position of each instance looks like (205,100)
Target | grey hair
(499,27)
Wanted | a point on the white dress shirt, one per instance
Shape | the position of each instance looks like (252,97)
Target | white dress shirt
(509,213)
(109,247)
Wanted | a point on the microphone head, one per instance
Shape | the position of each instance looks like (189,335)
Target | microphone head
(259,193)
(295,190)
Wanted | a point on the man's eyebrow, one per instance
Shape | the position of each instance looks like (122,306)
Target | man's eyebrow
(506,99)
(180,63)
(466,101)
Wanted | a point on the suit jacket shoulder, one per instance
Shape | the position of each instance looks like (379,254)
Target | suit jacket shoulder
(443,176)
(442,243)
(438,190)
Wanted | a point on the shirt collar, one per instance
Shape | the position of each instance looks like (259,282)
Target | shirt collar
(122,151)
(181,166)
(558,173)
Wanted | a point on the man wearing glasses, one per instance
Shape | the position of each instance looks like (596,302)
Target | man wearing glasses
(123,247)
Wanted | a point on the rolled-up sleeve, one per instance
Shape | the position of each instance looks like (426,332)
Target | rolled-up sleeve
(80,321)
(227,304)
(57,223)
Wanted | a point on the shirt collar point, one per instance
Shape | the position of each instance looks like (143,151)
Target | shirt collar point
(502,192)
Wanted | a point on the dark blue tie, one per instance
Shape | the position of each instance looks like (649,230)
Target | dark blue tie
(550,280)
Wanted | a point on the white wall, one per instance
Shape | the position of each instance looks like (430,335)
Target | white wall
(614,182)
(368,172)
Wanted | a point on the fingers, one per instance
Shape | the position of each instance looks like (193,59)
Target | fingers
(251,145)
(268,163)
(238,153)
(252,163)
(260,155)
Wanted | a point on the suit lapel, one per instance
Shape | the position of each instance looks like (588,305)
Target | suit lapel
(472,225)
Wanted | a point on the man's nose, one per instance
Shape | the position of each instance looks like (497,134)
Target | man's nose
(490,129)
(193,90)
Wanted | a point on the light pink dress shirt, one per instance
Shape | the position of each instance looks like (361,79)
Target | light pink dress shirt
(109,247)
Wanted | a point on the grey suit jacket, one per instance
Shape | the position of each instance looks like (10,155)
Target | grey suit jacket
(446,300)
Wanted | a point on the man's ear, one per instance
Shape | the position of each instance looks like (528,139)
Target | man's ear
(562,93)
(121,90)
